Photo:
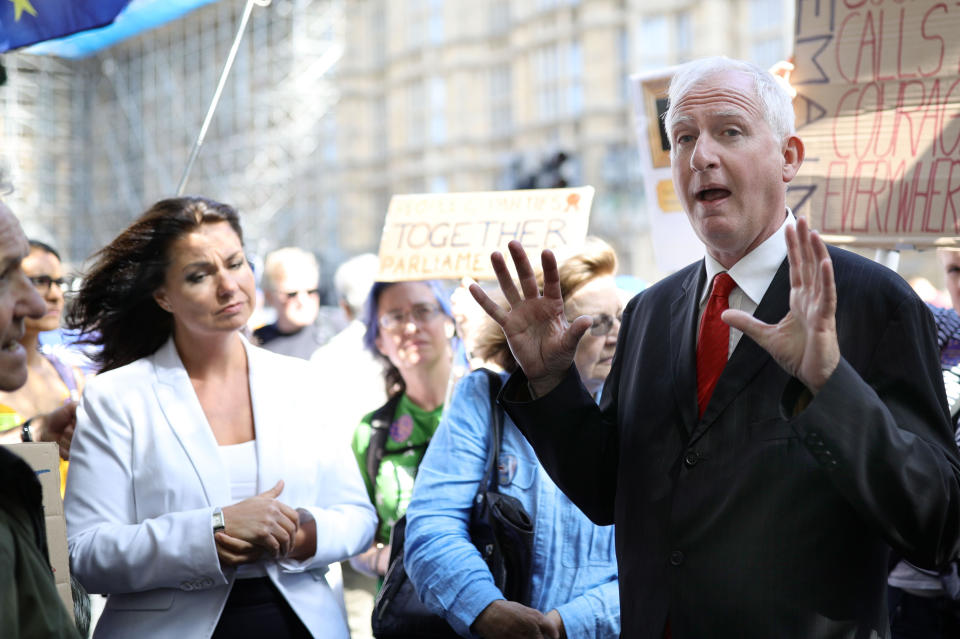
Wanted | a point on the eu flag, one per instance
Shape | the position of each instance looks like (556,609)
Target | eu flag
(25,22)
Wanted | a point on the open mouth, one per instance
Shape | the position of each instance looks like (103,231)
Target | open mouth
(711,195)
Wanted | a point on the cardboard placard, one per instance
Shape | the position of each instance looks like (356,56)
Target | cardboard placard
(878,102)
(450,236)
(675,245)
(44,459)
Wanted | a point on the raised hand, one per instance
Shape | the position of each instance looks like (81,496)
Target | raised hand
(510,620)
(263,521)
(804,342)
(541,339)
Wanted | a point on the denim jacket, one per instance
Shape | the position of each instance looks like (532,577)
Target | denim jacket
(574,564)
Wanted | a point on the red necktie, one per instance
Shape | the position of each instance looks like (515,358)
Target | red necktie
(713,341)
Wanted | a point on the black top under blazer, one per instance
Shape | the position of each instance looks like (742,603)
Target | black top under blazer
(750,522)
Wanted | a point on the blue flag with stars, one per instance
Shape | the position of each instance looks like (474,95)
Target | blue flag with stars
(25,22)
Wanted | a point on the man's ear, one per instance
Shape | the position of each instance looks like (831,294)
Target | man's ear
(160,297)
(793,154)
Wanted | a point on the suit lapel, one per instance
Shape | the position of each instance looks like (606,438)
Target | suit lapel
(267,409)
(683,346)
(748,358)
(181,408)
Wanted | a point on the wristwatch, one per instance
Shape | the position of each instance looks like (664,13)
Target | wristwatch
(218,523)
(25,434)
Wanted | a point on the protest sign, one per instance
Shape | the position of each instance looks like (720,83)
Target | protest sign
(878,86)
(450,236)
(44,459)
(674,243)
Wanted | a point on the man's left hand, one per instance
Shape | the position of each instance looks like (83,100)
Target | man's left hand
(804,342)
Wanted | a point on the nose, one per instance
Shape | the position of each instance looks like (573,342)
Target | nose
(409,324)
(704,154)
(228,284)
(54,292)
(614,331)
(30,303)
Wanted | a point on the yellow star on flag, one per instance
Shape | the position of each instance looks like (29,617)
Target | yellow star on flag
(19,6)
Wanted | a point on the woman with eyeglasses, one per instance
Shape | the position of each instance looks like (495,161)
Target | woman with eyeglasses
(43,409)
(410,327)
(574,586)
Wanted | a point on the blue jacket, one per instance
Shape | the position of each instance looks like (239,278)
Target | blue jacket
(574,563)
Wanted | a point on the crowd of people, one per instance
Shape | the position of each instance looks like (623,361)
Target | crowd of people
(759,445)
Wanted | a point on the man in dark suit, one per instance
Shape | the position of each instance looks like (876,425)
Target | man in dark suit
(756,492)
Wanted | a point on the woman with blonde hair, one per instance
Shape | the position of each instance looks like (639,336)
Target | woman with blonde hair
(573,588)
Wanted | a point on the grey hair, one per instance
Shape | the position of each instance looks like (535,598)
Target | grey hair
(354,278)
(288,258)
(775,102)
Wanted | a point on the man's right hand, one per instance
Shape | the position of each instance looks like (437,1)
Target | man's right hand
(510,620)
(541,339)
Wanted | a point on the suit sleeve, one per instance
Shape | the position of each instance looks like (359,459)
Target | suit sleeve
(339,502)
(345,519)
(884,437)
(575,440)
(110,550)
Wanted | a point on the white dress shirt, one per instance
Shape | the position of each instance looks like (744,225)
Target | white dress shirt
(752,275)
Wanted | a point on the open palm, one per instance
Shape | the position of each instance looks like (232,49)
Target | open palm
(804,342)
(541,339)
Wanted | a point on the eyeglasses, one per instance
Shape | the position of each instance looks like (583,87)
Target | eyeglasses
(291,295)
(603,323)
(43,283)
(420,314)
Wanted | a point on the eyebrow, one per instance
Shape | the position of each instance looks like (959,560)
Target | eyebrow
(204,263)
(733,113)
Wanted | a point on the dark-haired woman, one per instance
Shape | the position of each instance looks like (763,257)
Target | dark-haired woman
(410,326)
(201,497)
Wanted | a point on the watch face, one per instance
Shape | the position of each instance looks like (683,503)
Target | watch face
(218,520)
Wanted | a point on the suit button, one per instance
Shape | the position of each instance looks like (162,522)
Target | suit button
(187,586)
(676,558)
(691,458)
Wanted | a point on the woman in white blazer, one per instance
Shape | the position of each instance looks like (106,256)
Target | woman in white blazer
(202,497)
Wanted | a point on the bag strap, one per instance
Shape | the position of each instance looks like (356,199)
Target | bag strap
(379,429)
(496,435)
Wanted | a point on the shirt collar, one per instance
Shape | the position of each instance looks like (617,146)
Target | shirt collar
(755,270)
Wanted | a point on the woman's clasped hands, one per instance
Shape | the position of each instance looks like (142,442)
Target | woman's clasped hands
(264,526)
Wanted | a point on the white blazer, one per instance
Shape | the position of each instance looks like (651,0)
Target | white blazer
(145,476)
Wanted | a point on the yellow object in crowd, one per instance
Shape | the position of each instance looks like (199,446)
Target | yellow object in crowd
(10,419)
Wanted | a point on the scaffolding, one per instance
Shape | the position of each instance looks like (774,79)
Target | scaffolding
(335,105)
(93,142)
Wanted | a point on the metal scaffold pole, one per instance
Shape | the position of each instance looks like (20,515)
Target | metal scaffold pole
(195,151)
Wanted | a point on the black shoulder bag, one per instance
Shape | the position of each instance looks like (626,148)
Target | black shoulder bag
(500,529)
